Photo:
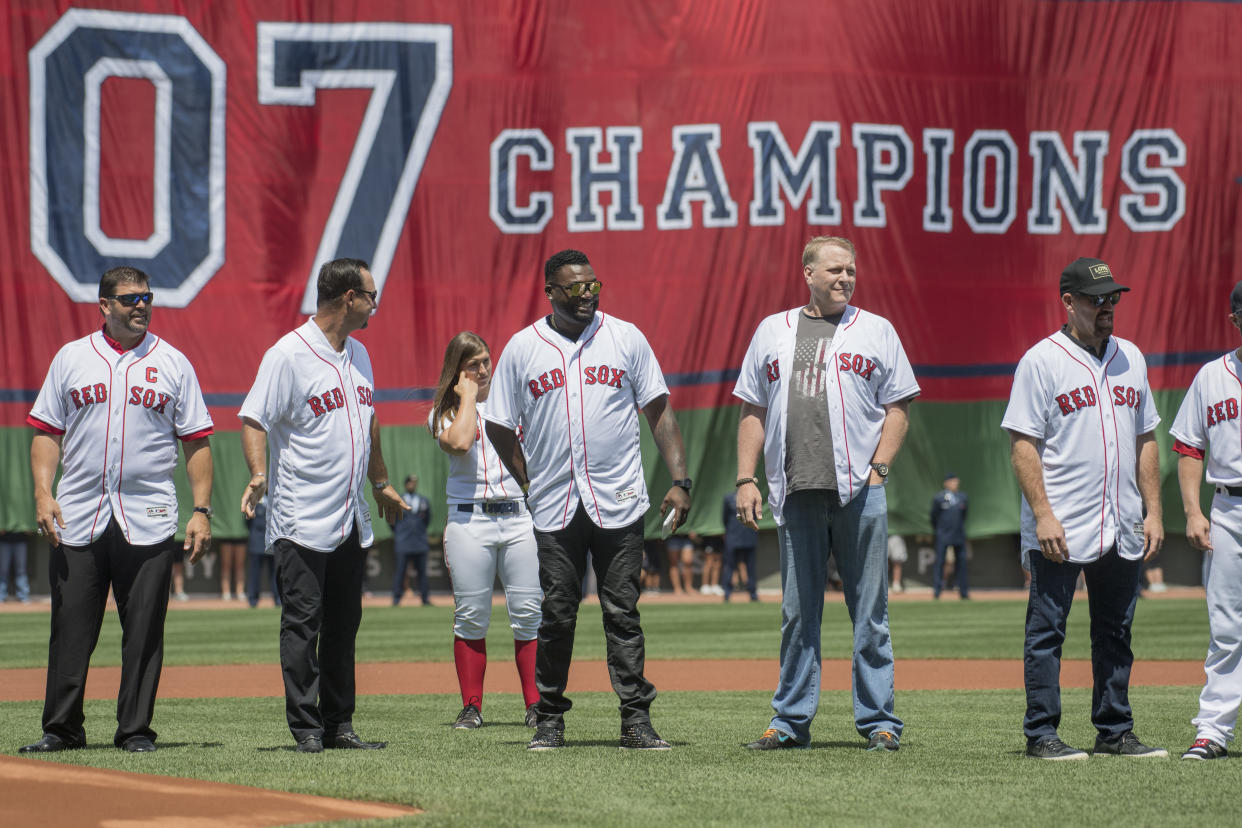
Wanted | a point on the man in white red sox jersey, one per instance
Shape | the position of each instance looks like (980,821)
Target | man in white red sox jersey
(825,392)
(1080,421)
(114,405)
(311,406)
(1209,424)
(574,381)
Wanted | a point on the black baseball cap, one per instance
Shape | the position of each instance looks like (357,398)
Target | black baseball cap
(1090,277)
(1235,299)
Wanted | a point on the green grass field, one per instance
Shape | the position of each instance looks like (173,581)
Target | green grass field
(960,762)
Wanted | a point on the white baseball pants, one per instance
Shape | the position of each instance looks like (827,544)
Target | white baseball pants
(478,547)
(1218,703)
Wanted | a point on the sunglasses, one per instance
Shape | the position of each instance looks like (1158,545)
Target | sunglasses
(1098,301)
(373,295)
(580,289)
(131,300)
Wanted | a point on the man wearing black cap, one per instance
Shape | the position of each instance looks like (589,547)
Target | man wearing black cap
(1081,420)
(1208,431)
(948,520)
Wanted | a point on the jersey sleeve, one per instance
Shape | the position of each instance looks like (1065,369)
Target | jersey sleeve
(1149,417)
(647,377)
(191,420)
(269,398)
(49,406)
(752,385)
(1027,410)
(502,405)
(1189,425)
(899,383)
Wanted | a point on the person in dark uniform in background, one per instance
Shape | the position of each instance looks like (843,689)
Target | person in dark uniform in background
(948,520)
(740,542)
(259,556)
(409,543)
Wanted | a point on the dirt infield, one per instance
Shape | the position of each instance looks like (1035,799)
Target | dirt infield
(263,680)
(56,796)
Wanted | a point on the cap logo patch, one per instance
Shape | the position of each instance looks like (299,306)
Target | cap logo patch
(1100,271)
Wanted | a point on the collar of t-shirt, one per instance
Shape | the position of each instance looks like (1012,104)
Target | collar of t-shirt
(117,346)
(1065,329)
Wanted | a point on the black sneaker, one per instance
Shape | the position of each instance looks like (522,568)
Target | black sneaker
(883,740)
(547,738)
(1127,744)
(1205,749)
(773,739)
(1052,748)
(642,736)
(532,718)
(469,718)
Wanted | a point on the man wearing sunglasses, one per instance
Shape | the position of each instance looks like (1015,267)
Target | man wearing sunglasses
(112,410)
(573,382)
(311,408)
(1081,420)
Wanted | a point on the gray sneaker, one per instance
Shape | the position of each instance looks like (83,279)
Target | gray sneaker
(469,718)
(1127,744)
(547,738)
(1052,748)
(642,736)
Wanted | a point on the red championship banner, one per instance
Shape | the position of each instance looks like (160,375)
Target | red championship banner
(970,150)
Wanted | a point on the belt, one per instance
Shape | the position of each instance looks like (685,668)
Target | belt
(1232,491)
(494,507)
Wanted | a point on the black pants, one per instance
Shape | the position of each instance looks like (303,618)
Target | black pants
(403,559)
(322,607)
(1112,593)
(959,566)
(617,555)
(255,564)
(79,578)
(733,555)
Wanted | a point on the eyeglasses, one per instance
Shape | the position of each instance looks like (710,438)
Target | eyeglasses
(131,300)
(373,295)
(1098,301)
(580,289)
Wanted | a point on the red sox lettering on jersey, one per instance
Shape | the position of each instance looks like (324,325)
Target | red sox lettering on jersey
(1086,412)
(577,405)
(1208,417)
(120,413)
(319,437)
(867,368)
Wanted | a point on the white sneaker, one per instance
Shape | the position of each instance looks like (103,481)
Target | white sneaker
(706,589)
(181,596)
(1160,587)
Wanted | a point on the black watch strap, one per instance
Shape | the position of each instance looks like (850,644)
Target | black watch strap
(685,483)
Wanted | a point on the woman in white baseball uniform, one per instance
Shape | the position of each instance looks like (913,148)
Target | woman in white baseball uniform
(488,532)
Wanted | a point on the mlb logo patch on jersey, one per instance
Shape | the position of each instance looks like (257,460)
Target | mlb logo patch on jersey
(1138,530)
(626,495)
(157,511)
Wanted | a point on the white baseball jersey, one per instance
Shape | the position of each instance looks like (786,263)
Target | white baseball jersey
(121,414)
(865,368)
(1085,414)
(1209,415)
(478,474)
(315,404)
(577,405)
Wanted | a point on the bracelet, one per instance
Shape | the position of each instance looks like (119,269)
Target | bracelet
(380,486)
(257,474)
(742,481)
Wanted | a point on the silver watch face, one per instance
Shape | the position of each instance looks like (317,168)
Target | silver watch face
(881,469)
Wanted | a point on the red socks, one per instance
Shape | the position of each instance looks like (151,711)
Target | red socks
(470,656)
(524,655)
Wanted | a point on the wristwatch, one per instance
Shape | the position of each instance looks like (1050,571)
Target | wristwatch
(685,484)
(206,510)
(380,485)
(881,469)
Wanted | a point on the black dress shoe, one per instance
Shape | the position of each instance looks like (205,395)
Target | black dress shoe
(50,743)
(351,741)
(138,744)
(310,744)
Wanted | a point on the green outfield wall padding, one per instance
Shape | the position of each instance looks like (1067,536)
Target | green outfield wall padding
(964,438)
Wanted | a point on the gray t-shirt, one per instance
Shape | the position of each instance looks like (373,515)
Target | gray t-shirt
(809,462)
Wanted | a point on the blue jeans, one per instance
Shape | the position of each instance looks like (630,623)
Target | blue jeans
(857,534)
(1112,592)
(13,556)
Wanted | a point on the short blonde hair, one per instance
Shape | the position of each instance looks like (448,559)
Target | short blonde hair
(811,252)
